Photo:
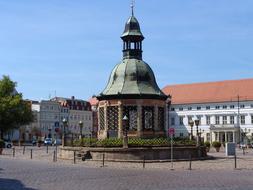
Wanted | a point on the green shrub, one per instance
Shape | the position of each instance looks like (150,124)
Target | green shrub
(132,142)
(110,142)
(216,144)
(207,144)
(2,144)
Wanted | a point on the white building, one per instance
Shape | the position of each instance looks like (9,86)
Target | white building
(224,108)
(49,118)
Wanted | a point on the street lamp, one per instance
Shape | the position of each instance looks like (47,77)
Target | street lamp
(81,129)
(197,129)
(191,123)
(125,129)
(65,123)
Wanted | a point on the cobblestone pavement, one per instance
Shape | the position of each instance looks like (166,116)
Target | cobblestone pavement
(21,172)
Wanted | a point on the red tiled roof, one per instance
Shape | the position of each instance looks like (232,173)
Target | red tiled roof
(221,91)
(93,101)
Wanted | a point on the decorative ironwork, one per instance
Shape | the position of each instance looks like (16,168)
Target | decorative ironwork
(148,117)
(131,113)
(161,118)
(101,118)
(112,116)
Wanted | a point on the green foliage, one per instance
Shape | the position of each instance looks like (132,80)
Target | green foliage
(14,111)
(207,144)
(110,142)
(216,144)
(132,142)
(2,144)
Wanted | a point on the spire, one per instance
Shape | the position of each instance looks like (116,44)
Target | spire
(132,38)
(132,7)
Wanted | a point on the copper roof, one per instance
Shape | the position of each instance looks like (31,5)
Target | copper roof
(221,91)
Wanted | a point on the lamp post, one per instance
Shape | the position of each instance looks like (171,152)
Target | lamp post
(65,123)
(197,129)
(191,123)
(126,127)
(81,129)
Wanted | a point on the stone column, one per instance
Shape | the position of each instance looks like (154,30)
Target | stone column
(106,123)
(211,138)
(156,118)
(120,117)
(166,107)
(139,120)
(218,136)
(233,137)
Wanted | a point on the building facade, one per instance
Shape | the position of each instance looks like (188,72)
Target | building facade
(76,110)
(224,109)
(48,117)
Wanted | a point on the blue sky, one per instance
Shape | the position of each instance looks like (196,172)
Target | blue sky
(70,47)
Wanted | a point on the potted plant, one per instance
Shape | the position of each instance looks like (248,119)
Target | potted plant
(2,145)
(216,145)
(207,145)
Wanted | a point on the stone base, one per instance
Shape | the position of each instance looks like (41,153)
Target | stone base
(138,154)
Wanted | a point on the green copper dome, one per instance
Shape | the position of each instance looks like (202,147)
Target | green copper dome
(132,29)
(132,78)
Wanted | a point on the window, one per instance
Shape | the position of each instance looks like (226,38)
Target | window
(198,108)
(181,120)
(172,121)
(252,119)
(199,118)
(208,107)
(189,118)
(232,120)
(232,106)
(224,107)
(181,134)
(242,119)
(208,120)
(172,109)
(224,119)
(189,108)
(251,105)
(242,106)
(181,109)
(217,107)
(217,120)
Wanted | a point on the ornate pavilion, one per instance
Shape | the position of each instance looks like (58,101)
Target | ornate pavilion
(132,91)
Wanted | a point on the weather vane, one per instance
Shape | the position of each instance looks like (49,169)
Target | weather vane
(132,6)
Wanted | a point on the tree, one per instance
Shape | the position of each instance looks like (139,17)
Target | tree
(14,111)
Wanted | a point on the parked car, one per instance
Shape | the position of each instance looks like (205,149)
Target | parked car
(57,142)
(34,142)
(48,141)
(8,144)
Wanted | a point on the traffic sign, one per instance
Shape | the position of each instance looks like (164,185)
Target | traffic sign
(171,131)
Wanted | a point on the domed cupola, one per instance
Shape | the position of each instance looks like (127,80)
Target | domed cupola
(132,92)
(132,39)
(132,78)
